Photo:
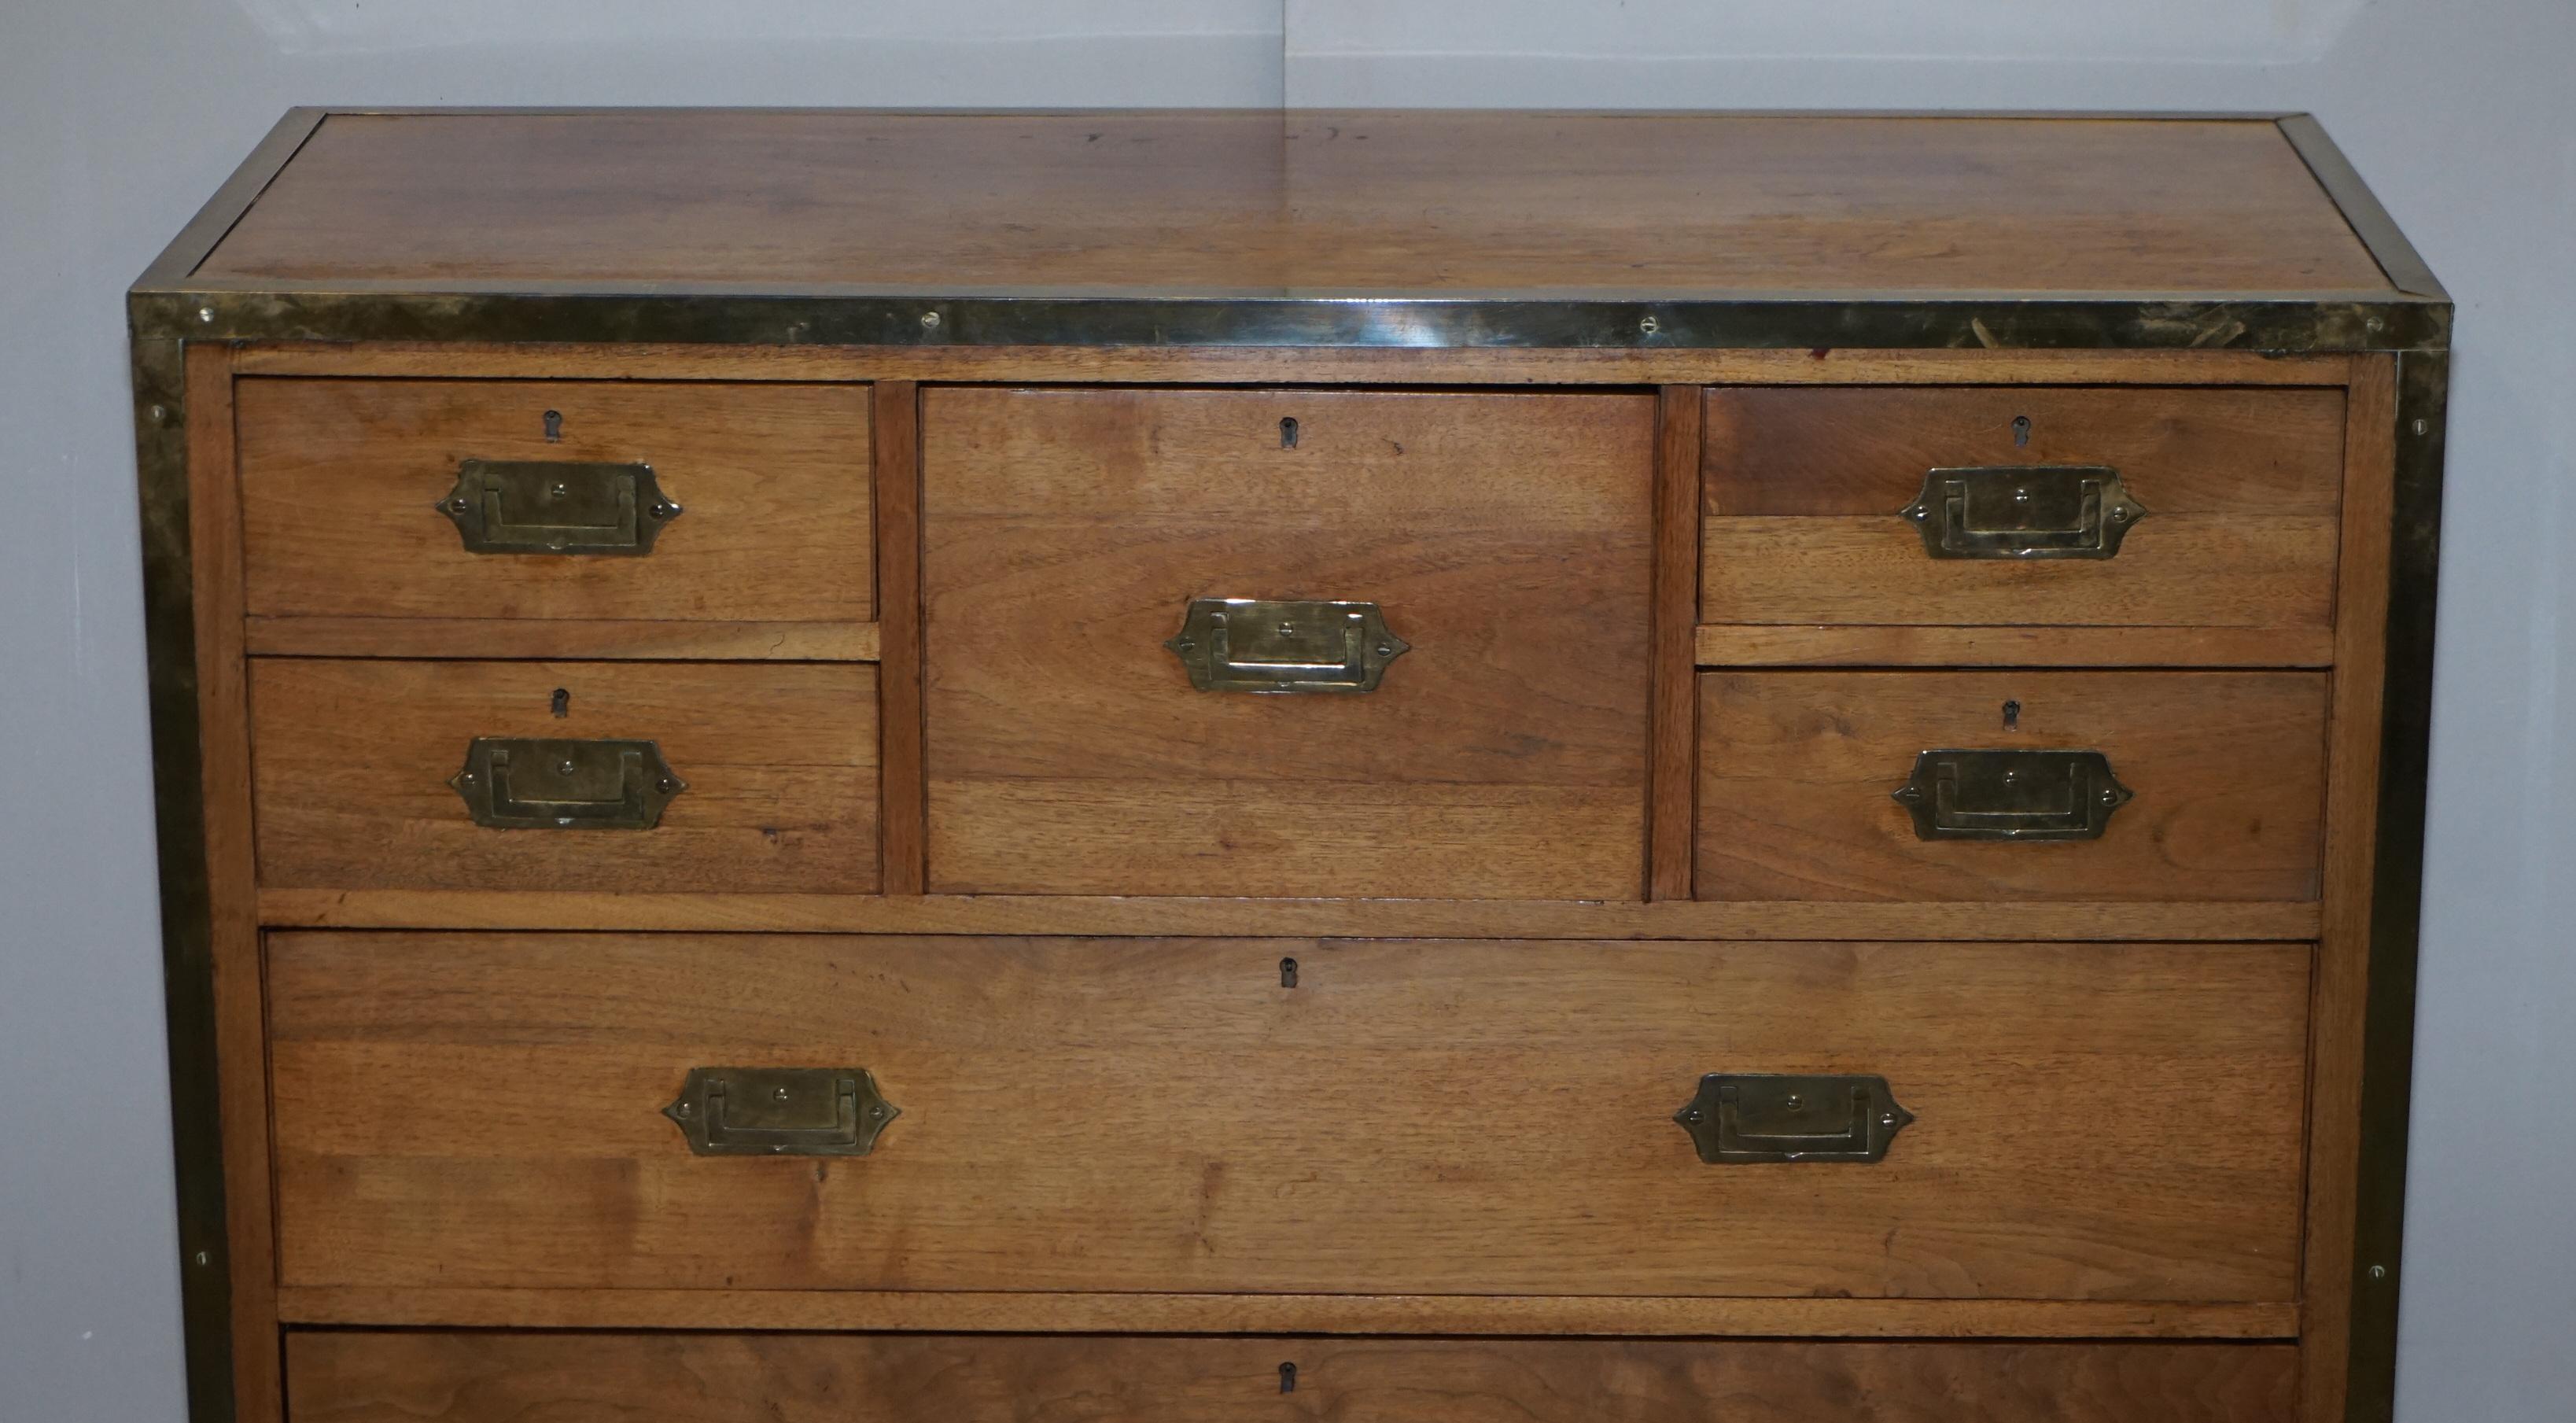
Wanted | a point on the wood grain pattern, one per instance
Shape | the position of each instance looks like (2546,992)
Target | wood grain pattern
(1675,750)
(1740,645)
(1797,769)
(1165,1116)
(896,457)
(353,759)
(1061,1312)
(2087,920)
(556,637)
(2240,486)
(2352,822)
(739,1378)
(240,1000)
(340,479)
(1321,202)
(1417,365)
(1507,537)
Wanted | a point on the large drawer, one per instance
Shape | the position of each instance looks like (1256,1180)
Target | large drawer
(1889,785)
(437,1377)
(356,494)
(371,774)
(1862,505)
(2090,1122)
(1503,538)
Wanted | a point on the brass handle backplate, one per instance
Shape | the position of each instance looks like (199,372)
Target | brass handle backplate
(541,506)
(1742,1118)
(2023,512)
(553,784)
(1284,645)
(2011,795)
(781,1111)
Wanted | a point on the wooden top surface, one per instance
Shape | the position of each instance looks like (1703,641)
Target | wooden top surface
(1308,203)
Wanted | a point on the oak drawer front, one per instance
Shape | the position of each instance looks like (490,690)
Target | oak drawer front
(756,777)
(455,1377)
(1818,785)
(1503,540)
(2229,516)
(356,497)
(1456,1118)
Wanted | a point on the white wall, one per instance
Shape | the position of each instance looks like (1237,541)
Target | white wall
(118,116)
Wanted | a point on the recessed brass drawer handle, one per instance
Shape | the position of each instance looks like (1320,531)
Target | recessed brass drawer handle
(2023,512)
(2011,795)
(1275,645)
(1740,1118)
(542,506)
(781,1111)
(553,784)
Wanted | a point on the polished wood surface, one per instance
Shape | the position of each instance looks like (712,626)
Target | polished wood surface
(1063,1311)
(340,480)
(896,458)
(2343,958)
(1675,753)
(233,943)
(1166,1116)
(1805,486)
(735,1378)
(1797,770)
(2091,920)
(1506,536)
(620,638)
(1808,645)
(1311,202)
(353,759)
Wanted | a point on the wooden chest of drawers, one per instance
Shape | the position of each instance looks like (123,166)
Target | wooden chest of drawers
(1149,767)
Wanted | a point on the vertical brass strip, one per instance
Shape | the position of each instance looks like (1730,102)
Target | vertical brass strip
(187,923)
(2397,890)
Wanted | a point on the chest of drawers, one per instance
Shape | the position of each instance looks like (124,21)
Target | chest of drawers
(1375,766)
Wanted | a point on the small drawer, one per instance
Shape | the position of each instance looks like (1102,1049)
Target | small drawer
(435,1376)
(640,500)
(806,1112)
(2067,506)
(2011,785)
(1287,642)
(586,776)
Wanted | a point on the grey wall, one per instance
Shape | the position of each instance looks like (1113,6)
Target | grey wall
(118,116)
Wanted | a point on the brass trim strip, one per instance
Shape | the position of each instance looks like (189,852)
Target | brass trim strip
(215,220)
(2362,212)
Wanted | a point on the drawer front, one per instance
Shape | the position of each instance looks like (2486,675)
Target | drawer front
(2219,779)
(1809,491)
(354,499)
(1503,539)
(443,1377)
(1168,1116)
(360,774)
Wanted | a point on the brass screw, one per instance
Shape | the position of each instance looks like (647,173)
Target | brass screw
(929,321)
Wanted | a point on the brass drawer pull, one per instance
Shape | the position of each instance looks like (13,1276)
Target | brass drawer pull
(1741,1118)
(540,506)
(550,784)
(781,1111)
(2011,795)
(1271,645)
(2023,512)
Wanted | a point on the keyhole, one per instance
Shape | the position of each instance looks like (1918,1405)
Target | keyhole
(1287,973)
(1288,432)
(554,427)
(2012,716)
(561,702)
(2021,431)
(1287,1378)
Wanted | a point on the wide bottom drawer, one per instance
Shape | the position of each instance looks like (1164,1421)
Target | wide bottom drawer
(753,1112)
(809,1378)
